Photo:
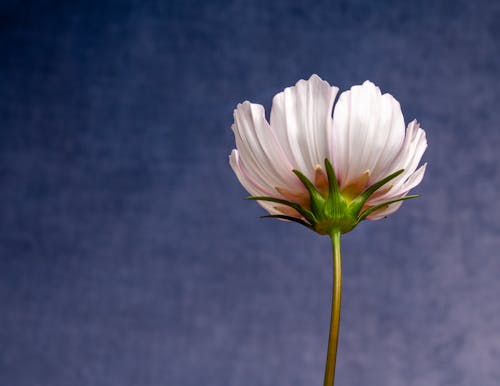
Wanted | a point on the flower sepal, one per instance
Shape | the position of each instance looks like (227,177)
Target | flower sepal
(333,212)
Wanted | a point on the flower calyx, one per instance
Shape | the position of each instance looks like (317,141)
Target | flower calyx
(334,212)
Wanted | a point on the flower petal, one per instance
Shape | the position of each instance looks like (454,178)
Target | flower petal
(259,150)
(408,159)
(301,118)
(368,131)
(412,181)
(377,215)
(252,184)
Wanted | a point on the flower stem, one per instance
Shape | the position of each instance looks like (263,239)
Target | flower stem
(333,338)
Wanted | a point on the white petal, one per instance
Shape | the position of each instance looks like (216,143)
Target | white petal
(250,183)
(408,159)
(259,150)
(414,154)
(377,215)
(301,118)
(368,131)
(412,181)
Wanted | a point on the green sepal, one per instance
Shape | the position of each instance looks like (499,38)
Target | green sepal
(289,218)
(334,212)
(299,208)
(333,183)
(317,200)
(357,204)
(369,211)
(335,203)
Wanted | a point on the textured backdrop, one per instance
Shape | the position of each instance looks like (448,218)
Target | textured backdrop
(127,255)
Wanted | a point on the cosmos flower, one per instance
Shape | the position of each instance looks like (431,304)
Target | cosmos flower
(327,170)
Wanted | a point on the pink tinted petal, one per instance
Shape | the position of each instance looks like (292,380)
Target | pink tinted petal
(339,141)
(259,148)
(408,159)
(301,118)
(412,181)
(368,130)
(402,190)
(385,212)
(392,126)
(249,182)
(411,152)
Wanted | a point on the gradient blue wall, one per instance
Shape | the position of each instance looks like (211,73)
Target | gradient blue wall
(127,255)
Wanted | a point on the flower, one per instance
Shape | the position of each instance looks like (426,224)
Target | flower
(370,160)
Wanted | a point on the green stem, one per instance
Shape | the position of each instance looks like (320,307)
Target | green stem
(333,338)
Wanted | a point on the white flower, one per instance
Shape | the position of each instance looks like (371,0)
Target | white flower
(366,141)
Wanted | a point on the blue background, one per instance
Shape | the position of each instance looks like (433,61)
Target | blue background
(127,255)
